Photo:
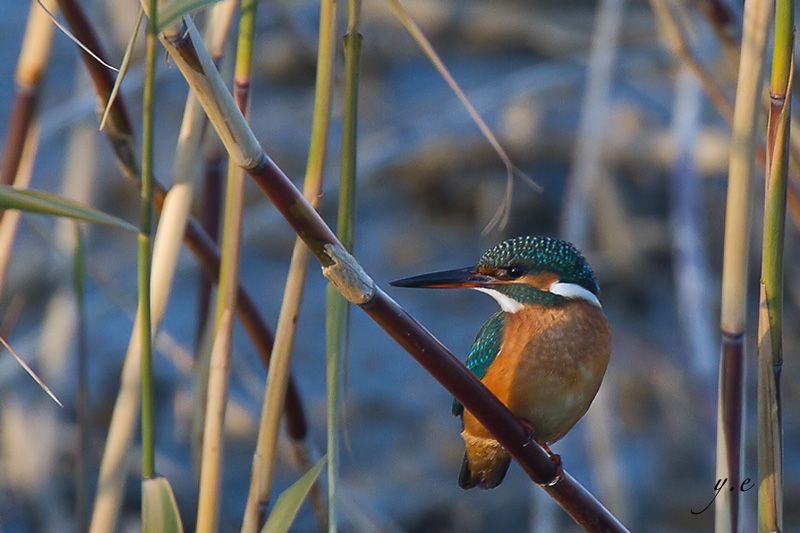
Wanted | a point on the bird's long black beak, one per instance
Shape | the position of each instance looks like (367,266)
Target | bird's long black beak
(447,279)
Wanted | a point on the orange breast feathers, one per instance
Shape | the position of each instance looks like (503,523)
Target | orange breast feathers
(549,368)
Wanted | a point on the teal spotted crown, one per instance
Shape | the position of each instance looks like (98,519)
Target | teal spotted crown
(542,254)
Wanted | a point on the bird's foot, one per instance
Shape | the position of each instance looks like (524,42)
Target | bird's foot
(554,457)
(557,465)
(529,429)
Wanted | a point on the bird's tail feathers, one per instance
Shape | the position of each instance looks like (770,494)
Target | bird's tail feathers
(485,463)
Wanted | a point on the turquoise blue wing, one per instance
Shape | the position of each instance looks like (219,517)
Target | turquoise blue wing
(484,350)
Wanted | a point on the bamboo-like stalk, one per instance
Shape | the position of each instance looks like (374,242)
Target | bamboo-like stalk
(10,221)
(338,310)
(770,323)
(211,465)
(213,441)
(730,398)
(144,251)
(21,142)
(264,456)
(31,65)
(347,275)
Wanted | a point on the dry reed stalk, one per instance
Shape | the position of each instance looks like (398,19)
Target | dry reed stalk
(10,221)
(213,434)
(280,365)
(211,459)
(337,311)
(31,65)
(730,399)
(21,140)
(358,288)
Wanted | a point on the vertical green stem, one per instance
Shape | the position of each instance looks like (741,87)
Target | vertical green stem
(81,403)
(148,101)
(770,348)
(338,310)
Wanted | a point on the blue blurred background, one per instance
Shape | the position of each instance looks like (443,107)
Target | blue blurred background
(632,162)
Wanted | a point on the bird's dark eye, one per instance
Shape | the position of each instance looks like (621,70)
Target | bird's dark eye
(515,271)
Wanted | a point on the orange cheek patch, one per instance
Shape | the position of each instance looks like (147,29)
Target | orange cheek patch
(540,281)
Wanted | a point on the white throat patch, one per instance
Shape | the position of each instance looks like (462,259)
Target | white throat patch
(570,291)
(507,303)
(573,291)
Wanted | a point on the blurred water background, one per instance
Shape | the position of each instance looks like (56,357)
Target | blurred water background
(574,102)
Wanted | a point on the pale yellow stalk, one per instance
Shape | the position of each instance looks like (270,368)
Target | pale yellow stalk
(36,45)
(10,219)
(211,463)
(730,411)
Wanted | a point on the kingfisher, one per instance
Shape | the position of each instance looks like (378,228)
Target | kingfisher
(544,354)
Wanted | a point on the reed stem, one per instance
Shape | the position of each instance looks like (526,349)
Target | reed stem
(31,65)
(730,399)
(144,255)
(338,310)
(81,401)
(213,434)
(770,324)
